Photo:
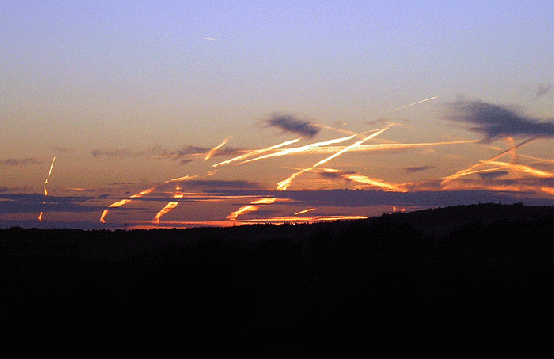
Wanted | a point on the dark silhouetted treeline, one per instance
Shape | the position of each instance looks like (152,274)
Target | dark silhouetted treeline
(456,281)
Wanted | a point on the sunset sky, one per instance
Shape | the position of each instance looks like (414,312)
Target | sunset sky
(407,104)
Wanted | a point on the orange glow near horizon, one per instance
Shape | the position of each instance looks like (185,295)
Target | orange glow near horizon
(273,220)
(302,219)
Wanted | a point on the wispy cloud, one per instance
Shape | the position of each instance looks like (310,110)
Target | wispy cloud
(196,150)
(238,184)
(123,153)
(541,90)
(492,174)
(497,122)
(31,203)
(417,169)
(19,162)
(289,123)
(335,174)
(62,149)
(433,198)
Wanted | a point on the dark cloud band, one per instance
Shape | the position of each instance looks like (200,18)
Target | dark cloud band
(289,123)
(496,121)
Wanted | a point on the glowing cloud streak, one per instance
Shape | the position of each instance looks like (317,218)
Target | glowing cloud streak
(306,148)
(170,206)
(392,146)
(521,168)
(257,152)
(304,211)
(250,208)
(377,183)
(283,185)
(45,183)
(138,195)
(213,150)
(340,130)
(521,187)
(465,172)
(415,103)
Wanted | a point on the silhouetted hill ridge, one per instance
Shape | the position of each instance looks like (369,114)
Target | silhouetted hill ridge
(466,280)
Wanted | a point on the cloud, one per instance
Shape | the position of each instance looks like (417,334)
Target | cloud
(492,174)
(366,198)
(161,152)
(35,203)
(496,122)
(61,149)
(19,162)
(381,121)
(541,90)
(191,150)
(184,162)
(334,174)
(417,169)
(123,153)
(195,150)
(289,123)
(220,184)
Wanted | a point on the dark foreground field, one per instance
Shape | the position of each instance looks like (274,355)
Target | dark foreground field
(458,281)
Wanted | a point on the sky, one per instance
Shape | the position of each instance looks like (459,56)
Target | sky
(186,113)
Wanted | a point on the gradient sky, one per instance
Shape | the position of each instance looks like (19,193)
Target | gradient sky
(131,94)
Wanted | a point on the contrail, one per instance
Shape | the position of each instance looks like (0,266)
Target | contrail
(391,146)
(140,194)
(171,205)
(45,183)
(301,149)
(124,201)
(250,208)
(464,172)
(179,179)
(340,130)
(257,152)
(376,183)
(500,187)
(520,168)
(366,180)
(304,211)
(213,150)
(415,103)
(283,185)
(511,143)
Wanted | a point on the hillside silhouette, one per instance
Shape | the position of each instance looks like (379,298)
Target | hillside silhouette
(456,281)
